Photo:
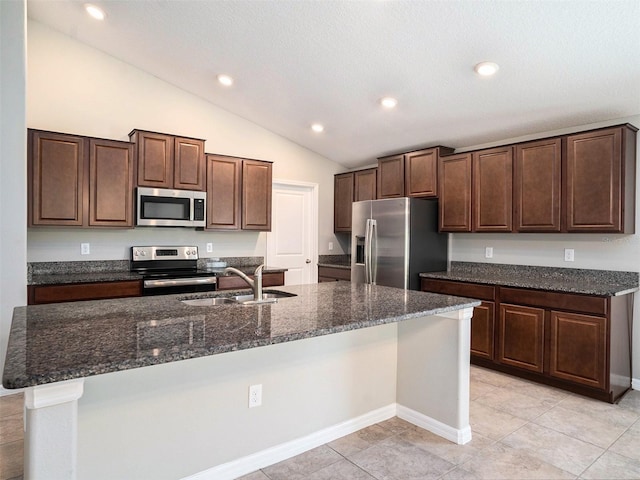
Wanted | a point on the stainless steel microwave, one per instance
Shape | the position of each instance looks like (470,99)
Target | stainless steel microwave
(160,207)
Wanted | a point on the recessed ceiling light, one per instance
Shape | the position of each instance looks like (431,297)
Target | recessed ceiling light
(388,102)
(486,69)
(317,127)
(95,12)
(225,80)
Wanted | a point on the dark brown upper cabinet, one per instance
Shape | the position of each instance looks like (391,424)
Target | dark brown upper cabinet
(536,186)
(421,173)
(365,184)
(455,193)
(256,195)
(492,190)
(238,193)
(411,174)
(167,161)
(348,188)
(342,200)
(111,165)
(600,180)
(56,169)
(79,181)
(391,176)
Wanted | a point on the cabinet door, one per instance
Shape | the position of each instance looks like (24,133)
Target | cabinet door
(521,337)
(391,177)
(594,181)
(421,173)
(189,167)
(155,159)
(342,200)
(110,183)
(256,195)
(482,330)
(537,170)
(57,166)
(366,184)
(224,176)
(492,190)
(579,348)
(455,193)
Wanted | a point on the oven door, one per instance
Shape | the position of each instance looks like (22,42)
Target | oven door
(168,286)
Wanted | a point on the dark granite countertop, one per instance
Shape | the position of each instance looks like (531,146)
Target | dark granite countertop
(56,342)
(571,280)
(335,261)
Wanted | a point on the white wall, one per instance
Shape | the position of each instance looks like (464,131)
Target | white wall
(596,251)
(77,89)
(13,173)
(174,420)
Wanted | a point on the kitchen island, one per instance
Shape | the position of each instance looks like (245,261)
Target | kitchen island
(324,373)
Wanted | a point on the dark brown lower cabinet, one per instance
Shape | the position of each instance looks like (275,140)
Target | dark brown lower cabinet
(578,348)
(521,337)
(577,342)
(333,274)
(482,328)
(72,292)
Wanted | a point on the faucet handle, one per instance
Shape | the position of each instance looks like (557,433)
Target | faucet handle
(258,272)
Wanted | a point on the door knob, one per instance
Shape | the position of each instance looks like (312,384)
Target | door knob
(307,261)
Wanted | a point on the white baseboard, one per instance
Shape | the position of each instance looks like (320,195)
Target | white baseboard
(7,391)
(270,456)
(635,383)
(264,458)
(458,436)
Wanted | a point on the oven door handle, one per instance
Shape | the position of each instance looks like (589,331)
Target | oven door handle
(180,282)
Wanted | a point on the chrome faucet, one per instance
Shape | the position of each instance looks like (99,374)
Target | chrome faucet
(256,284)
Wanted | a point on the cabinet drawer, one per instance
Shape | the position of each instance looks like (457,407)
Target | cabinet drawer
(460,289)
(561,301)
(39,294)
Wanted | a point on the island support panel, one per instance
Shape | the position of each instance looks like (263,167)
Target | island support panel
(51,430)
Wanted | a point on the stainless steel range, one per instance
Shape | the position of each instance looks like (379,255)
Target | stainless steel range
(168,270)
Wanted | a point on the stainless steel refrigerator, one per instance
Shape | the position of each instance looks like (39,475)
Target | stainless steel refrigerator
(393,240)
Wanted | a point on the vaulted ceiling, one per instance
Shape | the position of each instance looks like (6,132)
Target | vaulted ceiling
(296,62)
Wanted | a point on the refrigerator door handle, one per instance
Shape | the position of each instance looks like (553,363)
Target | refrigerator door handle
(373,252)
(367,252)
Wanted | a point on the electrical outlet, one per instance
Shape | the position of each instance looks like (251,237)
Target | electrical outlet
(568,255)
(488,252)
(255,395)
(330,246)
(85,249)
(209,247)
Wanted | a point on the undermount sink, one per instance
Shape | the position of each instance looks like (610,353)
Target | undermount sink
(267,297)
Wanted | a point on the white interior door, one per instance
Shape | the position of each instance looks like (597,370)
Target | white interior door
(292,242)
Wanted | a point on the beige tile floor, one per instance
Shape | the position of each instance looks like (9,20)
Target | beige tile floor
(521,430)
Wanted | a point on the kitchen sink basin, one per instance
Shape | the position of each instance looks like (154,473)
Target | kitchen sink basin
(207,302)
(267,297)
